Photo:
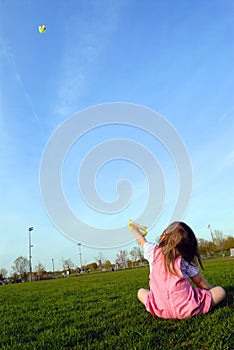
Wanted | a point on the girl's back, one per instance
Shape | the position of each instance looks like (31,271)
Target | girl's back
(172,295)
(172,263)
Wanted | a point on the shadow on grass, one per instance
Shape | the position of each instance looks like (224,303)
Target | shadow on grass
(230,297)
(229,301)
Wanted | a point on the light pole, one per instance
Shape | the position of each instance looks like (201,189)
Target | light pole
(53,266)
(79,245)
(30,253)
(211,233)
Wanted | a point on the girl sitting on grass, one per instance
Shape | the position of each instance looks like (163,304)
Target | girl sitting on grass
(172,263)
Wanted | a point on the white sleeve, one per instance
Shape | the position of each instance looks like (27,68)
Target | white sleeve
(148,249)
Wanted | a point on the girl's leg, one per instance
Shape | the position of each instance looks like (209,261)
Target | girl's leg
(218,295)
(142,293)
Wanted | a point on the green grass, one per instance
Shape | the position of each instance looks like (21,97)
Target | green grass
(101,311)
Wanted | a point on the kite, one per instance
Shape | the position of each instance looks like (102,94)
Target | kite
(142,229)
(42,28)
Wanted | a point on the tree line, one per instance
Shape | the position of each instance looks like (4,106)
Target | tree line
(208,248)
(21,265)
(218,243)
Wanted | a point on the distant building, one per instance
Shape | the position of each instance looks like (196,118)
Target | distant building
(232,252)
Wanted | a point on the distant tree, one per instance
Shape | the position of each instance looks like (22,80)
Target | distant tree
(100,260)
(67,264)
(21,265)
(121,258)
(202,244)
(136,254)
(3,273)
(39,267)
(211,248)
(91,266)
(219,239)
(129,263)
(206,247)
(228,243)
(107,264)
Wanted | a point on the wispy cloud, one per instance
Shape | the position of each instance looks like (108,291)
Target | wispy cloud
(27,96)
(6,53)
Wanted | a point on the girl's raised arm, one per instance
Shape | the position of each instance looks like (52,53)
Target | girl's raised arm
(139,238)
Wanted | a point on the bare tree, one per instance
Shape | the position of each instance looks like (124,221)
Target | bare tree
(100,260)
(137,254)
(219,239)
(67,264)
(121,258)
(21,265)
(134,253)
(3,273)
(39,267)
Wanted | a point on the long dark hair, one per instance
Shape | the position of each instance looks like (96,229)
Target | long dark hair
(178,239)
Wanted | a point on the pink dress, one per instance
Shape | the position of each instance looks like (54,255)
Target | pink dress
(171,296)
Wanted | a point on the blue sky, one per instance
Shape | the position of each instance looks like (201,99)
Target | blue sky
(173,57)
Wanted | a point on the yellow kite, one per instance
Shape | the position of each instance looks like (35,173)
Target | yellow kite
(42,28)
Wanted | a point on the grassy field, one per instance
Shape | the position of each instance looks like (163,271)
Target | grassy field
(101,311)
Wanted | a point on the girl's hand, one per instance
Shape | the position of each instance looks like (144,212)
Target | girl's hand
(137,233)
(141,229)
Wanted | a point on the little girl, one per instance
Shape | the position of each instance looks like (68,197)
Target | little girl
(172,263)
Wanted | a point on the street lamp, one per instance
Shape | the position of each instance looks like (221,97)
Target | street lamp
(53,266)
(211,233)
(79,245)
(30,253)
